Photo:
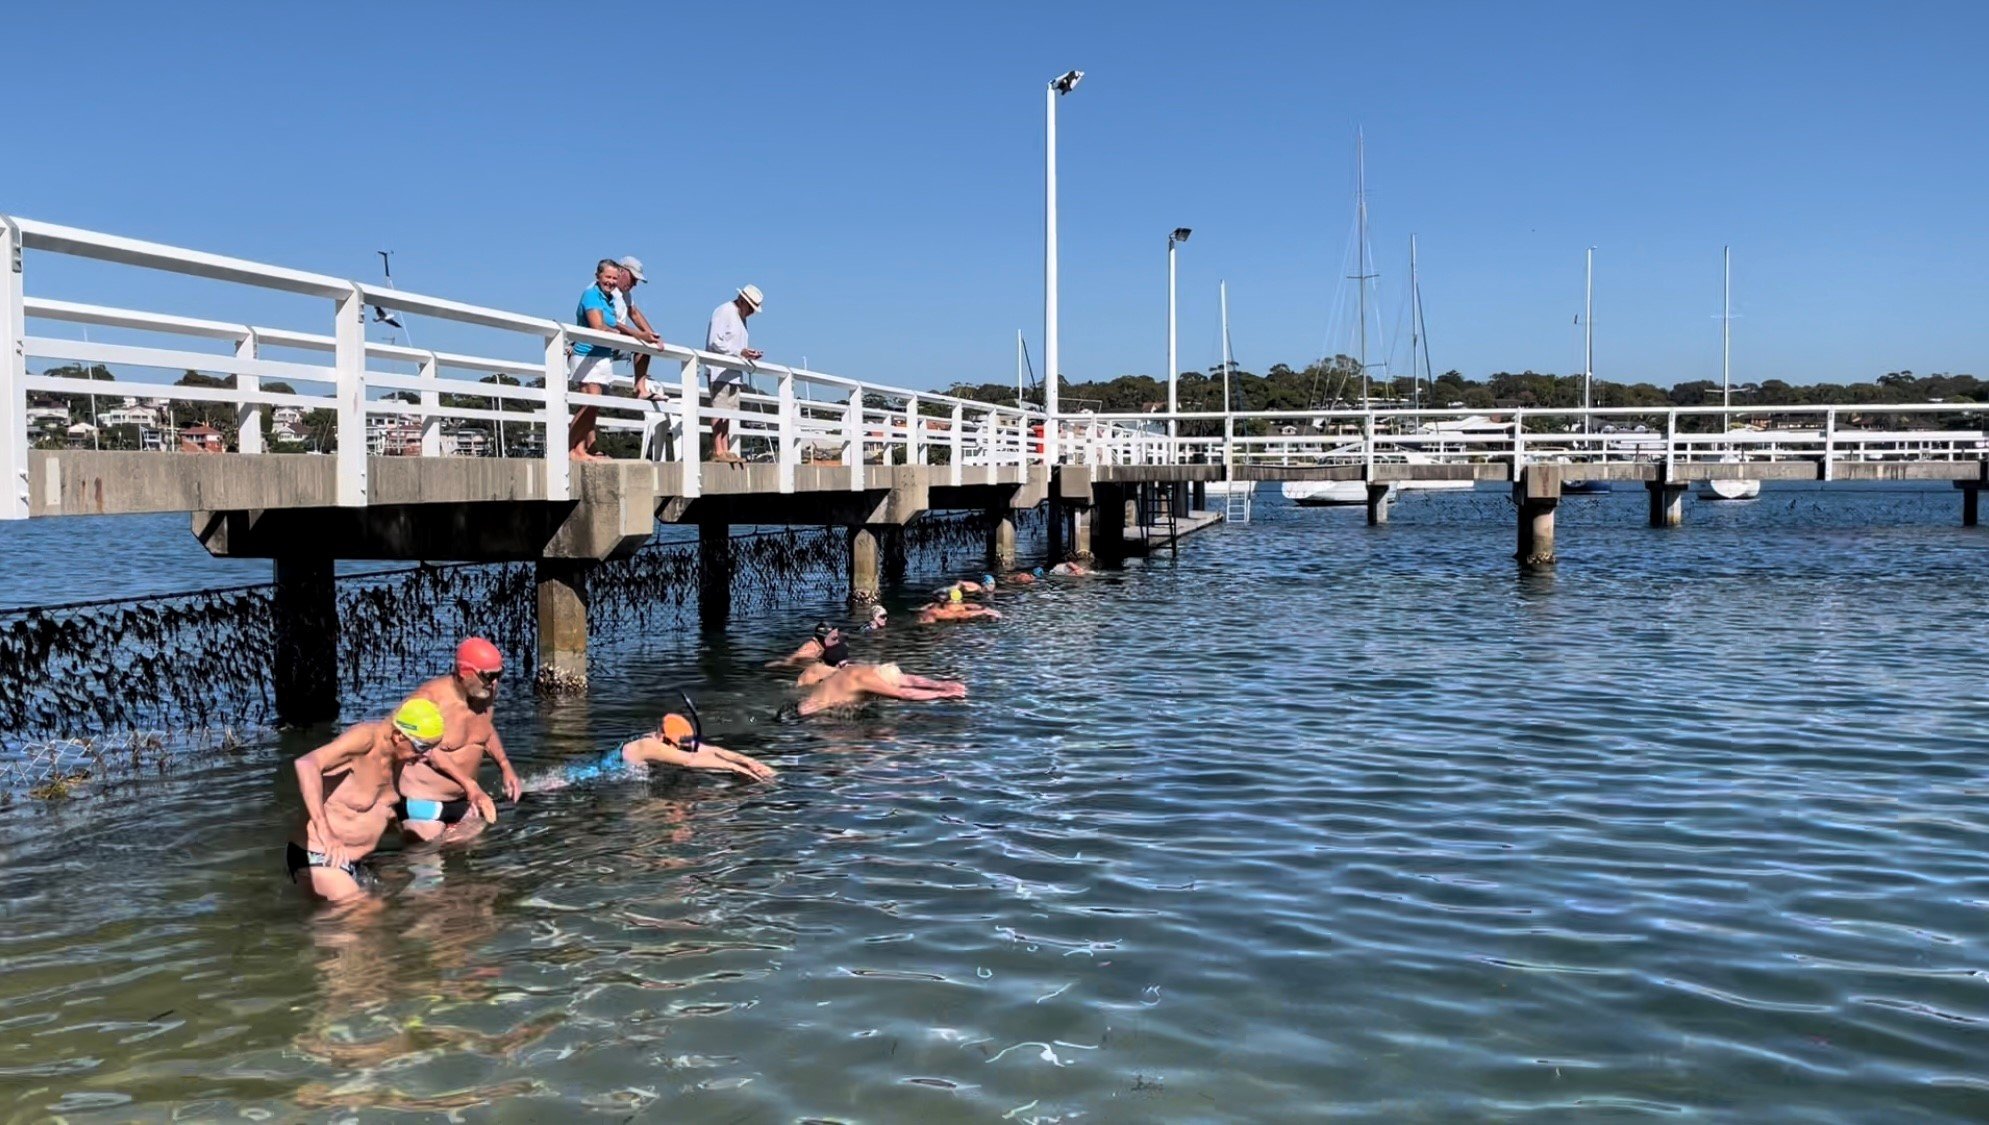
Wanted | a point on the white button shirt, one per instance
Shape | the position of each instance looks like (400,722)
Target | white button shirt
(726,336)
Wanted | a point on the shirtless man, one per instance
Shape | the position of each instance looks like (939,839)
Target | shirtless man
(810,650)
(955,608)
(674,742)
(1025,577)
(343,826)
(836,682)
(434,804)
(1070,570)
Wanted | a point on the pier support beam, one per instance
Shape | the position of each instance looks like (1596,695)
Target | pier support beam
(1536,495)
(1667,502)
(1058,529)
(1001,541)
(1971,499)
(562,625)
(863,567)
(1379,496)
(1079,547)
(891,553)
(1108,523)
(1198,496)
(306,620)
(714,574)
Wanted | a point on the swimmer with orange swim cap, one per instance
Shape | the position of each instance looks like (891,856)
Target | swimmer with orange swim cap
(441,796)
(343,822)
(676,741)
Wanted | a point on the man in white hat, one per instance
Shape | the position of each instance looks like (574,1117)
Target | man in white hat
(628,314)
(727,336)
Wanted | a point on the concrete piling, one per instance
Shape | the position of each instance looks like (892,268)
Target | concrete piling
(1379,496)
(306,626)
(562,590)
(714,574)
(1108,523)
(1001,540)
(891,553)
(1667,502)
(863,567)
(1536,495)
(1971,497)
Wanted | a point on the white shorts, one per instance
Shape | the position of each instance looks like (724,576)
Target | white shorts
(590,370)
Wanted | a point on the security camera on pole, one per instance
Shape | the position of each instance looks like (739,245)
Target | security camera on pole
(1062,84)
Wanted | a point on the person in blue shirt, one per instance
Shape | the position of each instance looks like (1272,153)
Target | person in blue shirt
(591,367)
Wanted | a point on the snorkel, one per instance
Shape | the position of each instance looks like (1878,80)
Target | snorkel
(696,737)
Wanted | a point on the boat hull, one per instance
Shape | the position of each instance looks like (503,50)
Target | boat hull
(1729,489)
(1325,493)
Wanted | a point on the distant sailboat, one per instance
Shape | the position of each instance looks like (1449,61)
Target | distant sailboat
(1338,493)
(1587,487)
(1419,354)
(1228,487)
(1727,489)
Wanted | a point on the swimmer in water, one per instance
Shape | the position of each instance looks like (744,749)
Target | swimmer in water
(955,608)
(1025,577)
(1070,570)
(966,586)
(810,650)
(674,742)
(878,619)
(433,805)
(326,860)
(838,683)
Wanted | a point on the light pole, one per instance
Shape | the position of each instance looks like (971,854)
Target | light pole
(1062,84)
(1179,236)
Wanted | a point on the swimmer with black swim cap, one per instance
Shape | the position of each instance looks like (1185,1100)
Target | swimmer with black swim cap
(810,650)
(677,741)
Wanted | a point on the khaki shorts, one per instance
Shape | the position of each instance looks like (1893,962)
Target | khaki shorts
(725,396)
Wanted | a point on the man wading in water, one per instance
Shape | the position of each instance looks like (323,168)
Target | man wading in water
(343,826)
(836,682)
(435,805)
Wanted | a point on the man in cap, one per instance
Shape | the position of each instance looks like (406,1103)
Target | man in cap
(838,682)
(440,797)
(627,313)
(674,742)
(343,823)
(727,336)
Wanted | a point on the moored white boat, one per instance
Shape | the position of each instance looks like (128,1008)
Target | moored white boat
(1326,493)
(1728,489)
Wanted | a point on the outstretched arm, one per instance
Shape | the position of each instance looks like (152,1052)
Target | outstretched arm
(920,694)
(708,757)
(509,776)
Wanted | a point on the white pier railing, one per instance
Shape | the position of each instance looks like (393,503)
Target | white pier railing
(408,395)
(805,415)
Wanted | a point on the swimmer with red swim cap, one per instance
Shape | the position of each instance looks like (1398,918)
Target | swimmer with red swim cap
(435,801)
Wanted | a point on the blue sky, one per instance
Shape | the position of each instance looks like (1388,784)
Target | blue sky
(877,170)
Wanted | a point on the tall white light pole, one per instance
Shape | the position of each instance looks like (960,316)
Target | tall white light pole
(1179,236)
(1062,84)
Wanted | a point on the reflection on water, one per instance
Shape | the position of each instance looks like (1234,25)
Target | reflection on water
(1318,821)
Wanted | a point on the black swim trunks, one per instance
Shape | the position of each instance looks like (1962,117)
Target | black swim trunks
(296,860)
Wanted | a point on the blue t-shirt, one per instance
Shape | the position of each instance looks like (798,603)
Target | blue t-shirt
(593,298)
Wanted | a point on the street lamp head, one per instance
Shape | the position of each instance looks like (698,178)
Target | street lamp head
(1180,234)
(1067,81)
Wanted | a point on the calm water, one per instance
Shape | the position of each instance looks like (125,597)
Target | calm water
(1316,822)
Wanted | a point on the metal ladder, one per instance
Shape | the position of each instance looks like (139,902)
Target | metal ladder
(1235,504)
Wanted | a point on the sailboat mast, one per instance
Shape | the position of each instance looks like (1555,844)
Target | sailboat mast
(1360,252)
(1018,369)
(1225,346)
(1726,330)
(1415,328)
(1588,339)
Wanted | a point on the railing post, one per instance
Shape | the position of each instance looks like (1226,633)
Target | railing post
(1829,443)
(914,440)
(1367,446)
(13,379)
(790,432)
(1670,444)
(248,412)
(349,361)
(558,416)
(953,439)
(431,401)
(1518,443)
(1229,446)
(690,451)
(853,433)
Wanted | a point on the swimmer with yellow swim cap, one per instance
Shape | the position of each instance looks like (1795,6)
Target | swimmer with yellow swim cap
(440,794)
(955,608)
(343,825)
(676,741)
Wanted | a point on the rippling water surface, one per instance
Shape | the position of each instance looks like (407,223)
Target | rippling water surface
(1317,821)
